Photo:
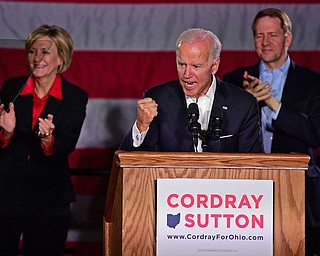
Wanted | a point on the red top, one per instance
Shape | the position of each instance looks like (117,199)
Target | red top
(38,105)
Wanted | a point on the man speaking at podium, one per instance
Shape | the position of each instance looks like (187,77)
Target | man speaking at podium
(198,112)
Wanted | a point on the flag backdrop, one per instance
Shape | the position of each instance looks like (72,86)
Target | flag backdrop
(125,47)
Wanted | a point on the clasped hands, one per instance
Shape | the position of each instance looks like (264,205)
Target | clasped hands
(8,122)
(147,111)
(46,126)
(261,90)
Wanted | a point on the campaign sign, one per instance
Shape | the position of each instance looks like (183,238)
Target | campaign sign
(214,217)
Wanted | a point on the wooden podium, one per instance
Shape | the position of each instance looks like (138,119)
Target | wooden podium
(129,217)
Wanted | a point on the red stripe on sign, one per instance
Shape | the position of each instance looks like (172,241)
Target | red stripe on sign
(12,63)
(84,248)
(90,185)
(172,1)
(128,74)
(125,75)
(231,60)
(121,74)
(94,158)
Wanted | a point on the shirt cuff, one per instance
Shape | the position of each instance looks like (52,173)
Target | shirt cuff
(49,150)
(137,136)
(274,115)
(4,142)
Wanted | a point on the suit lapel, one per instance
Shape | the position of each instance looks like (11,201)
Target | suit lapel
(254,70)
(52,107)
(221,99)
(53,104)
(176,103)
(292,81)
(25,103)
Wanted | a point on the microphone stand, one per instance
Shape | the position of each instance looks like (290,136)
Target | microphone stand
(216,134)
(203,138)
(194,125)
(195,143)
(195,128)
(215,125)
(217,144)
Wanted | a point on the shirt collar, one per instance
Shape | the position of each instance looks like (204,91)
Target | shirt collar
(284,67)
(55,90)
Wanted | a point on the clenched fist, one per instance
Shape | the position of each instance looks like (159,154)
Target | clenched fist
(147,110)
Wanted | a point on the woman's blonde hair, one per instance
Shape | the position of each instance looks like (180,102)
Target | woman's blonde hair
(60,37)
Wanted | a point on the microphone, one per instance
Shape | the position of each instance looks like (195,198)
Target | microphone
(194,125)
(216,122)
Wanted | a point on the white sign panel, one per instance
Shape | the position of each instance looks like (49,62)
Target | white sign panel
(214,217)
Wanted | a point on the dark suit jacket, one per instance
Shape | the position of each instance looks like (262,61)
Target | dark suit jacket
(297,128)
(169,130)
(25,172)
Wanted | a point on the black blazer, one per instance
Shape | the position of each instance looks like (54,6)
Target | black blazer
(297,128)
(169,130)
(26,173)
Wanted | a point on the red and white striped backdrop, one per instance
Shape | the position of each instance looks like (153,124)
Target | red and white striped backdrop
(123,47)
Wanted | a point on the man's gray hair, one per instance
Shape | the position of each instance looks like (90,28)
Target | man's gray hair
(194,35)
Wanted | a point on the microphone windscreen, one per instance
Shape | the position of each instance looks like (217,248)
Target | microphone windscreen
(217,113)
(193,110)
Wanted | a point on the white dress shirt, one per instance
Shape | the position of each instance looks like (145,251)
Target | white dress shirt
(276,79)
(204,102)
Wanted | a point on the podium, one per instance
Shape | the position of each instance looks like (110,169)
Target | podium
(129,219)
